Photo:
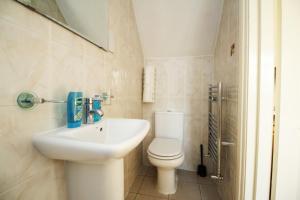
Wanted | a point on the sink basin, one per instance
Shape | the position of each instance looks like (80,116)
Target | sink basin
(94,154)
(110,138)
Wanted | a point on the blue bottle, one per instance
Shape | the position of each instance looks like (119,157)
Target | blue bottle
(97,106)
(74,109)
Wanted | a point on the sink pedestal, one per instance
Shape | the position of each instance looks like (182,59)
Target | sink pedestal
(103,181)
(94,155)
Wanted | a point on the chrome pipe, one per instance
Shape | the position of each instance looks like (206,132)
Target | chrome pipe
(213,86)
(217,177)
(42,100)
(219,141)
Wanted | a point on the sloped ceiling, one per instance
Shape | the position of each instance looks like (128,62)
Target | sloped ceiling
(175,28)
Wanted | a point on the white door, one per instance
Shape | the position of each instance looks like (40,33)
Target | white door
(286,171)
(271,33)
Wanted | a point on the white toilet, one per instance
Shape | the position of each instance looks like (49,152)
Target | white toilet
(165,151)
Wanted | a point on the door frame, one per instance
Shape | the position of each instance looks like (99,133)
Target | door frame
(256,96)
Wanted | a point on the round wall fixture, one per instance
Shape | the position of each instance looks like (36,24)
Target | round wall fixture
(26,100)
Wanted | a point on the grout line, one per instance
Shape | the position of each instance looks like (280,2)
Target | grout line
(199,188)
(140,187)
(156,197)
(23,180)
(178,57)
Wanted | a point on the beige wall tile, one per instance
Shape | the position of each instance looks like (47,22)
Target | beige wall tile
(39,55)
(227,70)
(44,185)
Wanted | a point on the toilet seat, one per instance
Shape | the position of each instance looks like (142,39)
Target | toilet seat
(165,149)
(164,158)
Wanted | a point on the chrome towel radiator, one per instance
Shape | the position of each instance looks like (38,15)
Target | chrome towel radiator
(215,127)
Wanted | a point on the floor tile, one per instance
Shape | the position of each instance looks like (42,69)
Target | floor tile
(187,176)
(209,192)
(151,171)
(149,188)
(146,197)
(187,191)
(136,184)
(190,187)
(142,171)
(205,180)
(131,196)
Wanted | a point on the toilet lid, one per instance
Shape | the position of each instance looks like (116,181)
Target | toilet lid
(165,147)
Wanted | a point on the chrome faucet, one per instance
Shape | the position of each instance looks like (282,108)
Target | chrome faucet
(90,112)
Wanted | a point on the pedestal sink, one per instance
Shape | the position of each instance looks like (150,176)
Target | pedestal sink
(94,155)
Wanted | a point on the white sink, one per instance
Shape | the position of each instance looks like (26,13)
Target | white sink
(110,138)
(94,154)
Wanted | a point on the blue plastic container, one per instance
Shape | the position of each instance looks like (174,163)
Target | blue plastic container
(74,109)
(97,106)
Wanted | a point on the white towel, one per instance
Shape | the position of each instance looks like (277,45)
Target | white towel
(149,84)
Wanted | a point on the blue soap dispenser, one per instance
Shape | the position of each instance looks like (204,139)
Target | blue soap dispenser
(74,109)
(97,107)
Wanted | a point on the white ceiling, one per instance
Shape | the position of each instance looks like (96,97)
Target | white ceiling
(172,28)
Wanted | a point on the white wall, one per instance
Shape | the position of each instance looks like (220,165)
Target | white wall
(176,28)
(288,166)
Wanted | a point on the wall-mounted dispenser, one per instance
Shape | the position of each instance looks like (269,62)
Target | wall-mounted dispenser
(28,100)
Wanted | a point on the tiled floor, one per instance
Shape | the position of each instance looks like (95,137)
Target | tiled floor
(190,187)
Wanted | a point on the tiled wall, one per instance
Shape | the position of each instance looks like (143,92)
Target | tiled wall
(38,55)
(182,85)
(227,70)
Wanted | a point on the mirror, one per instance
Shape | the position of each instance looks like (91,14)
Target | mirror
(88,18)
